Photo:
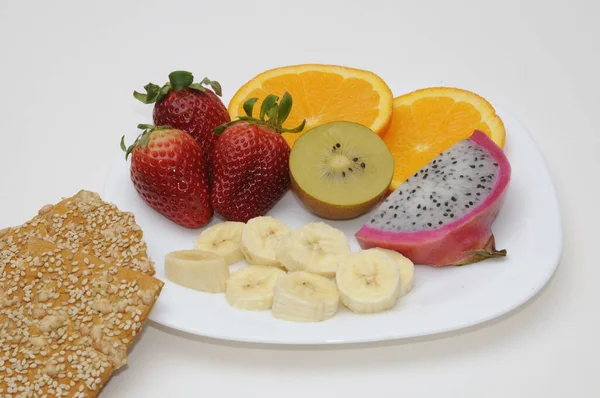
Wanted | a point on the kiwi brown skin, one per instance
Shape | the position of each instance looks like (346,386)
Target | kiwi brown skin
(334,212)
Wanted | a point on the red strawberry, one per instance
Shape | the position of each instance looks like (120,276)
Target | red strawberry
(251,161)
(169,173)
(188,106)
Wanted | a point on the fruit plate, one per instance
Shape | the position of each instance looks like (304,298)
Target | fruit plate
(442,300)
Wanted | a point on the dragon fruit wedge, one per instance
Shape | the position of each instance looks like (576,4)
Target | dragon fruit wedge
(443,214)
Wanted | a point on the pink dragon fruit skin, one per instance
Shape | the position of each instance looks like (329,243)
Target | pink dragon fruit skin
(466,240)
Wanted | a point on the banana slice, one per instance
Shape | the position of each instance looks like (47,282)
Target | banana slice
(407,271)
(197,269)
(304,297)
(223,239)
(251,288)
(259,239)
(368,281)
(316,247)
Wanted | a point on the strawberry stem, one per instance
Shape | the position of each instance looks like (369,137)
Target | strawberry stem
(272,114)
(180,79)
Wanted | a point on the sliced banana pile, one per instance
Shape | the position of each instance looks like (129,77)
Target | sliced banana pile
(321,270)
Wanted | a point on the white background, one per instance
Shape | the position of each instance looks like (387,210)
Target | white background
(68,70)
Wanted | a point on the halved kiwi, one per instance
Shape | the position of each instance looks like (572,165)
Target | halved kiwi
(340,170)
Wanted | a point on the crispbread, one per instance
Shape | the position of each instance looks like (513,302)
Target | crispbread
(85,222)
(67,318)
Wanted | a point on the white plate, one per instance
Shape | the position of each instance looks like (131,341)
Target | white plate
(445,299)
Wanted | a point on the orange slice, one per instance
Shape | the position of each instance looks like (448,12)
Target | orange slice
(321,94)
(428,121)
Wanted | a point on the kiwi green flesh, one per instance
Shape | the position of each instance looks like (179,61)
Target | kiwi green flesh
(341,164)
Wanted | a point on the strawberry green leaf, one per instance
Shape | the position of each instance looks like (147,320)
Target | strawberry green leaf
(295,130)
(123,147)
(145,126)
(285,107)
(219,129)
(144,139)
(180,79)
(141,97)
(249,106)
(163,92)
(198,86)
(215,85)
(272,114)
(267,104)
(152,91)
(129,150)
(150,96)
(276,114)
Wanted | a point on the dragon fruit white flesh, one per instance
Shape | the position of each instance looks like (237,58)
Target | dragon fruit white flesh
(443,214)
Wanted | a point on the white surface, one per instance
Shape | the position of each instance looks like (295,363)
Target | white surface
(528,227)
(69,69)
